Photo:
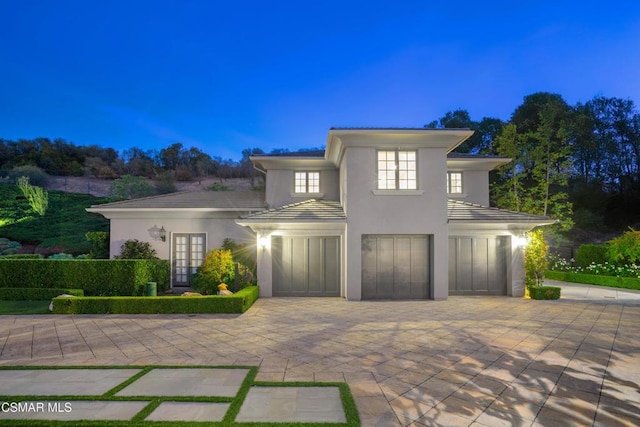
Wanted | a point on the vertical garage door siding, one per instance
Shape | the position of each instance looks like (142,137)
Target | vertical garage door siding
(306,266)
(395,266)
(477,265)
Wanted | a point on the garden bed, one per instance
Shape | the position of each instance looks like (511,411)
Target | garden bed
(236,303)
(594,279)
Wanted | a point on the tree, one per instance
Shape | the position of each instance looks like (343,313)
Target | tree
(99,244)
(535,258)
(246,166)
(537,141)
(485,131)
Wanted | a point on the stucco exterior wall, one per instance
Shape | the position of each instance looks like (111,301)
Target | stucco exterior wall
(475,186)
(396,212)
(216,229)
(280,186)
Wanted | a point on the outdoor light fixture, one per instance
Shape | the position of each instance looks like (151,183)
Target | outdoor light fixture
(263,241)
(521,241)
(163,234)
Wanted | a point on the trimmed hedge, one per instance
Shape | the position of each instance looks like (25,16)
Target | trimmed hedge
(594,279)
(35,294)
(21,256)
(95,276)
(588,254)
(544,292)
(236,303)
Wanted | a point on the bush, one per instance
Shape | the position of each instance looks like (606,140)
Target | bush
(22,256)
(99,244)
(594,279)
(236,303)
(243,254)
(135,249)
(218,187)
(535,258)
(8,247)
(36,175)
(544,292)
(217,267)
(591,254)
(61,255)
(165,182)
(95,277)
(36,294)
(37,197)
(625,249)
(130,187)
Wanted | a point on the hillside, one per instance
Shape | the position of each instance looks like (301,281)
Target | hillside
(100,187)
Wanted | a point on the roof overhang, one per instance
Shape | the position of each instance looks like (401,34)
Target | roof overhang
(263,163)
(339,139)
(477,163)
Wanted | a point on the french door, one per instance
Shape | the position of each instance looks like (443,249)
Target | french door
(188,253)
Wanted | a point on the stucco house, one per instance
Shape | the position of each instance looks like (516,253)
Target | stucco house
(379,214)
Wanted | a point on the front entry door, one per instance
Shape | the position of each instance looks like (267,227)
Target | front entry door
(188,253)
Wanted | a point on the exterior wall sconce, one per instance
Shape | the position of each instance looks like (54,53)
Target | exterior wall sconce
(263,241)
(162,234)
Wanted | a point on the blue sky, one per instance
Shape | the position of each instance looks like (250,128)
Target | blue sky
(224,76)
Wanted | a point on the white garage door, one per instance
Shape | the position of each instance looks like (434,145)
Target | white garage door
(478,265)
(396,266)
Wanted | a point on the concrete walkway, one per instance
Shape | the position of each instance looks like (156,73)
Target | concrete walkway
(481,361)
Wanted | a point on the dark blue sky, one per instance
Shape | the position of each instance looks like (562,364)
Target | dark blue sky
(224,76)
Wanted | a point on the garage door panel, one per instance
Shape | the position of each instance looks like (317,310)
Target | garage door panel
(395,266)
(306,266)
(477,265)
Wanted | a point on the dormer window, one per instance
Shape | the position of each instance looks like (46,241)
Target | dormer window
(454,182)
(307,182)
(397,170)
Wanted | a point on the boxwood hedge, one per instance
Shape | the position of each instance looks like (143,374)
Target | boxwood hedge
(35,294)
(93,276)
(594,279)
(544,292)
(236,303)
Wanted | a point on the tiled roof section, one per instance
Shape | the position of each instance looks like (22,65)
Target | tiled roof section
(309,153)
(307,211)
(464,211)
(472,156)
(240,200)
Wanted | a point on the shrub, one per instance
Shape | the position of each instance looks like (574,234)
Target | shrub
(244,254)
(217,267)
(22,256)
(243,277)
(591,254)
(236,303)
(95,277)
(130,187)
(218,187)
(135,249)
(8,247)
(36,175)
(61,255)
(165,182)
(594,279)
(36,294)
(544,292)
(99,244)
(535,258)
(625,249)
(37,197)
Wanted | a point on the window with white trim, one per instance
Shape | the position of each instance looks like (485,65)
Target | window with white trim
(454,182)
(307,182)
(397,170)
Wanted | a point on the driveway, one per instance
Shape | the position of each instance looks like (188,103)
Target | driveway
(481,361)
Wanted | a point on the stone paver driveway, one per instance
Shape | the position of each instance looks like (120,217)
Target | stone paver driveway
(482,361)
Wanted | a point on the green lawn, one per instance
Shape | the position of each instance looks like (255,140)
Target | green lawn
(24,307)
(64,225)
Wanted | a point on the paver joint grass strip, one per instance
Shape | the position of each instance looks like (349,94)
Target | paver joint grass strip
(348,403)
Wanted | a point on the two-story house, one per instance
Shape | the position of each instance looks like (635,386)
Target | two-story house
(379,214)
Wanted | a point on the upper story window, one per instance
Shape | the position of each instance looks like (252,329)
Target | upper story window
(307,182)
(397,170)
(454,182)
